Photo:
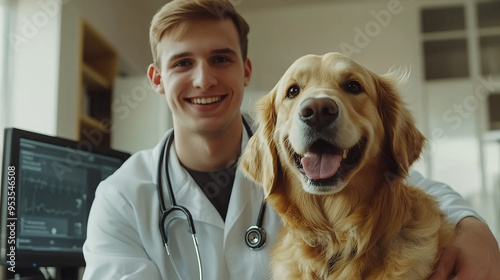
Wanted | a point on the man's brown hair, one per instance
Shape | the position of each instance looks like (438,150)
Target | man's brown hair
(177,13)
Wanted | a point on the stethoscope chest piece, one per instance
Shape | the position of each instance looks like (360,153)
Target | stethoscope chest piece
(255,237)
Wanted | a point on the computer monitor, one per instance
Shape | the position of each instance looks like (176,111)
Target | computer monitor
(48,185)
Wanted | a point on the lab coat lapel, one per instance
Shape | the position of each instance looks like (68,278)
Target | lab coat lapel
(244,195)
(243,211)
(190,195)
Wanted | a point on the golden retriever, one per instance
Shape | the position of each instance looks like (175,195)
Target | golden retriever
(332,150)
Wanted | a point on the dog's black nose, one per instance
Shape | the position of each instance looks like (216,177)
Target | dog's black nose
(318,112)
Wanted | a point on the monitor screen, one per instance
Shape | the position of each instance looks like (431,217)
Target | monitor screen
(48,186)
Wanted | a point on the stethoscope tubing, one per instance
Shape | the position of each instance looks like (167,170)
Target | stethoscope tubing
(174,207)
(162,166)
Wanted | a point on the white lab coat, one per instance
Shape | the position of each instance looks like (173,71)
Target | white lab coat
(124,241)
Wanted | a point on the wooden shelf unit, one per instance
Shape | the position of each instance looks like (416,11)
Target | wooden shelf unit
(98,70)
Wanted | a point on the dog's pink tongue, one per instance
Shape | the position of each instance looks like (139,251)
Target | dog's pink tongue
(320,166)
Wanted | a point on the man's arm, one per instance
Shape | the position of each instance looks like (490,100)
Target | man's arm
(475,253)
(451,203)
(113,249)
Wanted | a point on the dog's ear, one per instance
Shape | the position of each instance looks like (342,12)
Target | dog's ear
(259,160)
(403,141)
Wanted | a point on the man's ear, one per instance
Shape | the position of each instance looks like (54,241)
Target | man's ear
(154,76)
(248,71)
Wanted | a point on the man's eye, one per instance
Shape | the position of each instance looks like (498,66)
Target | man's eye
(182,63)
(220,59)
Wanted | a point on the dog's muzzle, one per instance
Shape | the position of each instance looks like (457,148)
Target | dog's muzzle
(324,163)
(322,159)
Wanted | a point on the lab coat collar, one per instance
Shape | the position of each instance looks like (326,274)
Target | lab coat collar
(156,157)
(189,194)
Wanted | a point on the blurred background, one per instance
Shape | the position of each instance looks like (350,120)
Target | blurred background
(76,69)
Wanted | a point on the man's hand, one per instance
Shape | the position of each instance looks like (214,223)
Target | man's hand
(473,255)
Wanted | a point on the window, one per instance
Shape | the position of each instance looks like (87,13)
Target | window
(445,42)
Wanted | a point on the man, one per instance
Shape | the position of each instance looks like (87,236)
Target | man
(200,64)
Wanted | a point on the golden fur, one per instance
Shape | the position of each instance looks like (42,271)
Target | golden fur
(368,223)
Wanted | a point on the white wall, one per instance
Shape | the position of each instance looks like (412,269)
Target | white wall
(33,74)
(454,146)
(279,36)
(69,71)
(42,67)
(140,115)
(3,68)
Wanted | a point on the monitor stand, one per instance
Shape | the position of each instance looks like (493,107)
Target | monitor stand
(67,273)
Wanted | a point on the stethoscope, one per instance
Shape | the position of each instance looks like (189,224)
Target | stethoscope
(255,236)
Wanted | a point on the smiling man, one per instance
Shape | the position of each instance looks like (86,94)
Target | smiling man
(203,74)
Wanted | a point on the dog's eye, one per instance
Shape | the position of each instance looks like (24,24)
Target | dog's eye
(353,87)
(293,91)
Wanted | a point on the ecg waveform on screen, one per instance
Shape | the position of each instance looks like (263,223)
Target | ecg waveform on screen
(43,195)
(42,208)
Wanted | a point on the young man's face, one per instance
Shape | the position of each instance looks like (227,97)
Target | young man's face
(202,75)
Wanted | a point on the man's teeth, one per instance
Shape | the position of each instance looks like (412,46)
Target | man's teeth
(204,100)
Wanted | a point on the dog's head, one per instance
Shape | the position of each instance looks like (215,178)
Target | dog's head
(329,122)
